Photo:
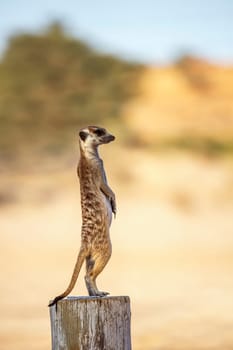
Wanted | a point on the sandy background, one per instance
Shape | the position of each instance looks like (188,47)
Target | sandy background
(172,249)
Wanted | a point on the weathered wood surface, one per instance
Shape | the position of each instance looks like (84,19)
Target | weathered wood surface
(91,323)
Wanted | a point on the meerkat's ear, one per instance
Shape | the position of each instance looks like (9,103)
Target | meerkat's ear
(83,135)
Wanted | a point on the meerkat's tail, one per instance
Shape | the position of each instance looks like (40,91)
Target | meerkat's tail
(74,277)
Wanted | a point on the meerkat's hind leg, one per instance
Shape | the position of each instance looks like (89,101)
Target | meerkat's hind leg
(98,292)
(94,267)
(90,283)
(92,288)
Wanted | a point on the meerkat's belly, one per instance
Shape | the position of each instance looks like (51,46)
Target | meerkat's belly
(108,207)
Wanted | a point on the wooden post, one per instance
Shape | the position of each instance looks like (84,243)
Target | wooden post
(91,323)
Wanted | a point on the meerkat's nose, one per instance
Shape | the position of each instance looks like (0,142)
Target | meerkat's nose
(111,137)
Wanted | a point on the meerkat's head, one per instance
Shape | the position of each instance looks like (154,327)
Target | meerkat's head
(94,136)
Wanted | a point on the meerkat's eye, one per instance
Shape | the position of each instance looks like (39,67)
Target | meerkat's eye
(83,135)
(100,132)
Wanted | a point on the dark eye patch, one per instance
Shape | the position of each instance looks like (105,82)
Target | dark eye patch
(83,135)
(99,132)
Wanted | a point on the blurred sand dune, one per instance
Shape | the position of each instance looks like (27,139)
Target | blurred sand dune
(190,100)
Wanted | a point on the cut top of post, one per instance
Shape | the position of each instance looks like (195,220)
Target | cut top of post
(91,323)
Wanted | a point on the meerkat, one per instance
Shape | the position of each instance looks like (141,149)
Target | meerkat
(98,203)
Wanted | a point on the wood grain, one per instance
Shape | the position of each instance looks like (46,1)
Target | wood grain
(91,323)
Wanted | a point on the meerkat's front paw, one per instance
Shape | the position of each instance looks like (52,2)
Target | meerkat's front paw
(113,205)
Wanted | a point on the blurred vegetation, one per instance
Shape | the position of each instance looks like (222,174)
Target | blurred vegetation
(51,84)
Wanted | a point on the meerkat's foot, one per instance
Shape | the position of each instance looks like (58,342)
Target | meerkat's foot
(98,294)
(101,294)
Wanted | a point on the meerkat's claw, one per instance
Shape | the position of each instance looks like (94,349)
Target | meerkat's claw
(113,205)
(101,294)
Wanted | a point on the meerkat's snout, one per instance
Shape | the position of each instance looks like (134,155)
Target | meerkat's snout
(108,138)
(103,136)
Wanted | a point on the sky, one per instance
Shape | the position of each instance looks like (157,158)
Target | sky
(153,32)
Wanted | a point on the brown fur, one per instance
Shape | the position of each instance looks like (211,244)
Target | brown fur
(98,203)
